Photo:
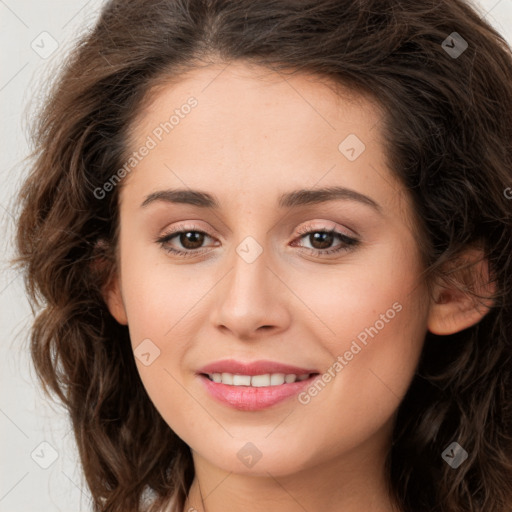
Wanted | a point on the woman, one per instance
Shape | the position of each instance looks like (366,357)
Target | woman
(272,241)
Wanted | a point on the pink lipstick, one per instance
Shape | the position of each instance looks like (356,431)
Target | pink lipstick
(256,385)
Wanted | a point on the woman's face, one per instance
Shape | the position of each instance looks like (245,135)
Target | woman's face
(260,287)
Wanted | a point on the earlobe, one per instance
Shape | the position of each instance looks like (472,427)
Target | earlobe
(455,309)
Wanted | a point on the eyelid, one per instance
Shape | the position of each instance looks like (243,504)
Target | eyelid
(312,226)
(185,227)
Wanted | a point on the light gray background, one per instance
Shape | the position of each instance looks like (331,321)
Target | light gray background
(27,419)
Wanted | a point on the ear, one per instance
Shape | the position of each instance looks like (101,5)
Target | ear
(103,267)
(454,307)
(114,300)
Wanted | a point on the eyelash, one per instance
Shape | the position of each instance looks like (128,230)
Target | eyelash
(348,242)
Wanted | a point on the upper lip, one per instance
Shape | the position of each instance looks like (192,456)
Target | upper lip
(261,367)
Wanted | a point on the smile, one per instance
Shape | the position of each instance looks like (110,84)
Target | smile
(254,386)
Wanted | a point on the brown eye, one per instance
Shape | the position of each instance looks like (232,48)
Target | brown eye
(191,239)
(191,242)
(321,239)
(184,242)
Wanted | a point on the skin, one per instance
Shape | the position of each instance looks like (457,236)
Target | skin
(253,136)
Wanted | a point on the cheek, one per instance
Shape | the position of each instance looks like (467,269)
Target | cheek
(373,296)
(376,313)
(369,382)
(157,294)
(161,304)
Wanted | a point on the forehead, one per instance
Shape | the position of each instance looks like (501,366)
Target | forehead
(237,93)
(252,127)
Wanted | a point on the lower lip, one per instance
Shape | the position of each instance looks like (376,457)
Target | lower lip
(248,398)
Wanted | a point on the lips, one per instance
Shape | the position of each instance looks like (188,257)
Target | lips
(256,385)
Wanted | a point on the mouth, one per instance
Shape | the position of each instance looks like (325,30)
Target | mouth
(254,386)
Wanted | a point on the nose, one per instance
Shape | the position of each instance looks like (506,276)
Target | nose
(252,300)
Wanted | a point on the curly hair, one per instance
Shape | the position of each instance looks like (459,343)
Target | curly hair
(448,133)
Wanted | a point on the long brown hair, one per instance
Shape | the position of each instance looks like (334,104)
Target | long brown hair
(448,130)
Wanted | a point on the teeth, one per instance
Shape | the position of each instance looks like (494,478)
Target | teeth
(257,381)
(276,379)
(227,378)
(241,380)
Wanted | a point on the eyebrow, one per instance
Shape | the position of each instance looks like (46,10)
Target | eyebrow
(294,199)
